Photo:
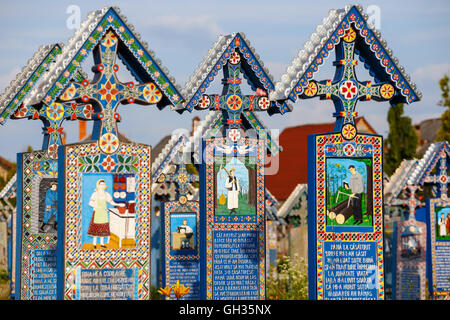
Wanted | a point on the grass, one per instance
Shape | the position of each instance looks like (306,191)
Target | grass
(243,209)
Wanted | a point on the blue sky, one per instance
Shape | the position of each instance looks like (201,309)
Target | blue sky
(181,33)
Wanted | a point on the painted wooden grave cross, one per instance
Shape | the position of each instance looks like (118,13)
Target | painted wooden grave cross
(232,221)
(118,255)
(108,92)
(37,171)
(233,55)
(358,157)
(432,170)
(181,177)
(181,232)
(441,178)
(53,116)
(345,89)
(409,250)
(411,202)
(232,102)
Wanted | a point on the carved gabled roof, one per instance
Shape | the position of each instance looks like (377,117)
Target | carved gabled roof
(204,128)
(9,189)
(166,156)
(378,58)
(146,67)
(291,201)
(399,179)
(212,64)
(428,162)
(26,79)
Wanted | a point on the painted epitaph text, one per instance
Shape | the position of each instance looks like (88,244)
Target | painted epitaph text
(235,233)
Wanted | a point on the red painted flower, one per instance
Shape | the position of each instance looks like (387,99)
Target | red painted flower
(108,91)
(108,163)
(348,90)
(88,111)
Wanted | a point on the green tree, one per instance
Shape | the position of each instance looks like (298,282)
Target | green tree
(401,141)
(444,131)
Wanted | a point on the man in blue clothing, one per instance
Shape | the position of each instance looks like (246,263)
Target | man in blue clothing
(51,208)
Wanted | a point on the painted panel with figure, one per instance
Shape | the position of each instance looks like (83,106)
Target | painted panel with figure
(235,256)
(104,244)
(438,254)
(345,206)
(36,227)
(181,249)
(349,193)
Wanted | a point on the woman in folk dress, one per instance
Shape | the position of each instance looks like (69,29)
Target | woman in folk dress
(99,225)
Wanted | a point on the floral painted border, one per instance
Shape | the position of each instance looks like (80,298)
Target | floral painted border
(34,165)
(76,257)
(211,225)
(326,145)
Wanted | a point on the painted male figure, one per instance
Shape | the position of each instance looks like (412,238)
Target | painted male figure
(233,187)
(357,188)
(51,207)
(188,232)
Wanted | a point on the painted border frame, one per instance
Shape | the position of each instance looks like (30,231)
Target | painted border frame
(431,243)
(320,147)
(70,253)
(259,226)
(29,166)
(169,208)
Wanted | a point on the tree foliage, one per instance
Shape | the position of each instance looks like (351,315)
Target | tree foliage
(401,141)
(444,131)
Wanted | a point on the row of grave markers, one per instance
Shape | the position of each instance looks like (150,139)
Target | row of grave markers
(421,242)
(84,209)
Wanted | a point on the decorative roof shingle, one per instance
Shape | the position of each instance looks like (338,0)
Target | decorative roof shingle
(55,81)
(428,162)
(9,189)
(323,41)
(26,79)
(399,179)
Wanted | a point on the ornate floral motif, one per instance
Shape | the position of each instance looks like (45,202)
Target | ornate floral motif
(349,35)
(348,90)
(263,103)
(205,102)
(235,58)
(348,131)
(387,91)
(311,89)
(109,143)
(108,91)
(234,135)
(234,102)
(108,164)
(55,111)
(151,93)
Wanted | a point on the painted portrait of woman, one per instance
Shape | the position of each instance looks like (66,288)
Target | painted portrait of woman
(99,225)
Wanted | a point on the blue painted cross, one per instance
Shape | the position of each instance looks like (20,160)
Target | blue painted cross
(181,177)
(345,89)
(106,93)
(232,102)
(53,115)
